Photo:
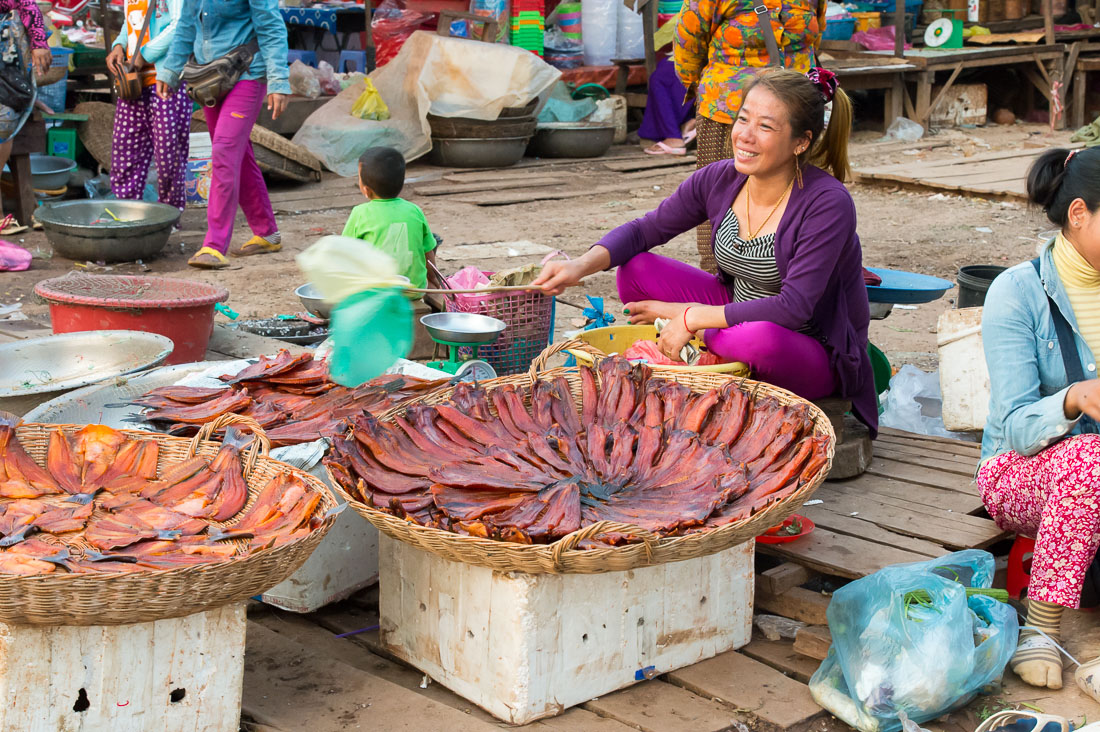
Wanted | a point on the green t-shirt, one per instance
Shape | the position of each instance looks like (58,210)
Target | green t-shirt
(398,228)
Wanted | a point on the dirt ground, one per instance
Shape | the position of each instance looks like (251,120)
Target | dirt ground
(917,231)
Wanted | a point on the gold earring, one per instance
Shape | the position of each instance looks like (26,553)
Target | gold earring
(798,172)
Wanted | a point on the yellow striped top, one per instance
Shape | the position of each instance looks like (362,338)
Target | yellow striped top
(1082,283)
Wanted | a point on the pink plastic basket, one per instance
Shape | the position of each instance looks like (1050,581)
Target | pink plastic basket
(530,318)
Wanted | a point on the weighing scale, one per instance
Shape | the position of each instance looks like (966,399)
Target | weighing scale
(463,330)
(945,32)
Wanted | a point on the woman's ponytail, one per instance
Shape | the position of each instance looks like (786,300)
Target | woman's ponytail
(831,151)
(1059,176)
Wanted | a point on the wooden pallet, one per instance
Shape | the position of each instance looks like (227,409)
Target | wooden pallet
(999,175)
(917,500)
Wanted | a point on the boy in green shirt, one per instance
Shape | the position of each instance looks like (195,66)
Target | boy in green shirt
(388,223)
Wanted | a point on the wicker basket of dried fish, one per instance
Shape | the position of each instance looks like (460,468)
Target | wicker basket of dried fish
(108,527)
(585,470)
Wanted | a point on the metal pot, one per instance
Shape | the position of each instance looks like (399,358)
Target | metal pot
(571,140)
(85,231)
(469,152)
(313,302)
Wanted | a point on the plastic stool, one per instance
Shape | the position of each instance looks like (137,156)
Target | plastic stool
(358,61)
(309,58)
(1019,566)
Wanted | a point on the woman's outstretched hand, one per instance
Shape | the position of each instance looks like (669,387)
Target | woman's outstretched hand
(557,276)
(1083,398)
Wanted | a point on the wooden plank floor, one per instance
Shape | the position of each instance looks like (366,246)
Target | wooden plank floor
(998,174)
(917,501)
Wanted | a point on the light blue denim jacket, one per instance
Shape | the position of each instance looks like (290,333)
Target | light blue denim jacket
(1027,375)
(211,28)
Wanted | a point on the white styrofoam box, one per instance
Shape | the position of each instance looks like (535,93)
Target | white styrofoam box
(527,646)
(964,376)
(178,675)
(343,563)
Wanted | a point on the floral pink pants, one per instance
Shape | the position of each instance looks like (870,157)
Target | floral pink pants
(1053,496)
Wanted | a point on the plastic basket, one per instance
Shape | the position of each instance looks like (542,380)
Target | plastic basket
(529,316)
(839,29)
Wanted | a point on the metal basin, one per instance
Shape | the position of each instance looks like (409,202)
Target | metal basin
(571,140)
(85,231)
(59,363)
(463,327)
(477,152)
(48,172)
(313,302)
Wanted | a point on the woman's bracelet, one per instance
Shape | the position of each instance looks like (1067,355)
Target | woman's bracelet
(686,320)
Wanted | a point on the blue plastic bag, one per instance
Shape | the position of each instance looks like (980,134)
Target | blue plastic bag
(907,638)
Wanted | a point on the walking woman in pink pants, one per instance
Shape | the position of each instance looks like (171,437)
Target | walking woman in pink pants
(208,30)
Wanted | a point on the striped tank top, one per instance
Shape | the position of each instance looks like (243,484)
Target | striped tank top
(748,264)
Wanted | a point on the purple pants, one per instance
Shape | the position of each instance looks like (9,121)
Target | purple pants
(151,128)
(666,112)
(235,177)
(793,361)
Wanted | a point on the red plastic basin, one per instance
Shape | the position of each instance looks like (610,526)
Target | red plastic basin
(182,310)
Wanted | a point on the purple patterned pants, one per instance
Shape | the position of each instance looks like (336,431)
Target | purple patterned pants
(148,128)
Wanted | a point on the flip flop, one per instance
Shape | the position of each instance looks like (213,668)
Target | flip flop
(1022,720)
(207,258)
(689,137)
(665,150)
(255,245)
(10,226)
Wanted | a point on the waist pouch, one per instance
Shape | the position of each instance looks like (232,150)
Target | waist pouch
(208,83)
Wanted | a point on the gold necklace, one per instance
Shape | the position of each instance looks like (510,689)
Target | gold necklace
(748,209)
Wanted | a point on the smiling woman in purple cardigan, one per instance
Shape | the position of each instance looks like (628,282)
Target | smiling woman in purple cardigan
(789,299)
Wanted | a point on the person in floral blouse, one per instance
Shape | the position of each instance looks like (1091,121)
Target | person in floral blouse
(719,48)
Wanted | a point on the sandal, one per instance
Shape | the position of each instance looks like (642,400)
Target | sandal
(689,137)
(663,149)
(1022,720)
(255,245)
(207,258)
(10,226)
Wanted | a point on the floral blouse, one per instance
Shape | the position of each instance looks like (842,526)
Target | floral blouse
(719,47)
(32,20)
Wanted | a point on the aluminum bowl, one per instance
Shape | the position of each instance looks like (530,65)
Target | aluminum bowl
(313,302)
(85,231)
(70,360)
(463,327)
(477,152)
(571,140)
(48,172)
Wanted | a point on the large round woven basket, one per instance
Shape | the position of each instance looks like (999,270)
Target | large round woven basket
(562,557)
(133,597)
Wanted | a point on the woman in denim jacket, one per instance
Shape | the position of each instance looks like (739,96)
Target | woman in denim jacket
(1040,472)
(208,30)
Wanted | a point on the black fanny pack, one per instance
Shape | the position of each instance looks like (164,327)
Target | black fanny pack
(208,83)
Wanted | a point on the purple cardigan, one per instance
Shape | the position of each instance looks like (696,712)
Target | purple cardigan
(817,252)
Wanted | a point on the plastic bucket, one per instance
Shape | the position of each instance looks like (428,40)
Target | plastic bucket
(182,310)
(839,29)
(974,281)
(868,20)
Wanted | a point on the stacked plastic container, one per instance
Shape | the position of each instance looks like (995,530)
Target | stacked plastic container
(568,19)
(528,25)
(666,10)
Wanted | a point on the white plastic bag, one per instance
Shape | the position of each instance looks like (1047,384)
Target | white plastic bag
(631,36)
(599,18)
(914,404)
(303,82)
(904,129)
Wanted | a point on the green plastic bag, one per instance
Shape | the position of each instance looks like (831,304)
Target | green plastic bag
(372,321)
(370,331)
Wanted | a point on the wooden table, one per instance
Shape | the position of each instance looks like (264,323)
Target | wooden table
(30,139)
(856,74)
(1042,66)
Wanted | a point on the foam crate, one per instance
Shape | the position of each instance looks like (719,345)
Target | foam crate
(528,646)
(179,675)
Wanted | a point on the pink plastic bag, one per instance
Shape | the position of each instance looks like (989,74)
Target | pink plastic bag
(878,39)
(13,258)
